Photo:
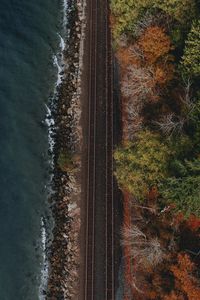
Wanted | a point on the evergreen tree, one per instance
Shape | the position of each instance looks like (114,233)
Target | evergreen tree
(191,57)
(184,189)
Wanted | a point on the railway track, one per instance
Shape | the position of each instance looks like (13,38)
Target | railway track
(99,281)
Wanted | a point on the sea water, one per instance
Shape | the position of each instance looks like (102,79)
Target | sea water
(30,38)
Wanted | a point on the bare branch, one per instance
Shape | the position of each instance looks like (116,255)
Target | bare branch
(147,252)
(137,52)
(151,209)
(186,98)
(171,124)
(138,83)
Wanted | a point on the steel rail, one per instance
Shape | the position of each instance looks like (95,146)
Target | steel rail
(89,293)
(110,289)
(110,278)
(107,158)
(112,196)
(112,169)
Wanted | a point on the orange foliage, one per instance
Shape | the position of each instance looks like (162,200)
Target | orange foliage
(184,281)
(164,73)
(126,57)
(152,295)
(173,296)
(155,43)
(193,223)
(178,219)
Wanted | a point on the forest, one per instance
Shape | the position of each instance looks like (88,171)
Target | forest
(157,165)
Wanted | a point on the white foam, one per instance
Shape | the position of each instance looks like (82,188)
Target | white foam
(50,123)
(59,68)
(48,110)
(45,265)
(65,7)
(58,61)
(62,43)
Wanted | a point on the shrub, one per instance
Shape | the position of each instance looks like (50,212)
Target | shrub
(65,161)
(142,164)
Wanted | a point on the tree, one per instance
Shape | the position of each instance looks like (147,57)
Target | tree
(193,222)
(142,164)
(184,278)
(184,189)
(128,56)
(171,124)
(155,44)
(133,120)
(164,72)
(139,83)
(182,11)
(150,19)
(147,252)
(128,12)
(191,56)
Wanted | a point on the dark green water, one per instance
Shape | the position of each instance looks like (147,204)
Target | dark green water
(28,40)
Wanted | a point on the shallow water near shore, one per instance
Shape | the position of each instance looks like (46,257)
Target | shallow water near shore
(28,42)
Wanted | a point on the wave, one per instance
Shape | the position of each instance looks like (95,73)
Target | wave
(59,63)
(59,68)
(45,264)
(62,43)
(49,120)
(65,8)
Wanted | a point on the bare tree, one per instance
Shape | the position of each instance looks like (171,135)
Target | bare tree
(143,23)
(134,119)
(171,124)
(147,252)
(131,234)
(161,20)
(187,100)
(138,83)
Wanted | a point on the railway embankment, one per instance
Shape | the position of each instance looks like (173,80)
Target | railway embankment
(64,251)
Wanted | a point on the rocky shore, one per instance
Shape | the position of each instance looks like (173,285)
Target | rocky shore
(64,252)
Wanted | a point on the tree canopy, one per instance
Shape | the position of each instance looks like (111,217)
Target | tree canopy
(127,12)
(191,57)
(142,164)
(184,189)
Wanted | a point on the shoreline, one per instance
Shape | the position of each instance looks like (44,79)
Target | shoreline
(64,251)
